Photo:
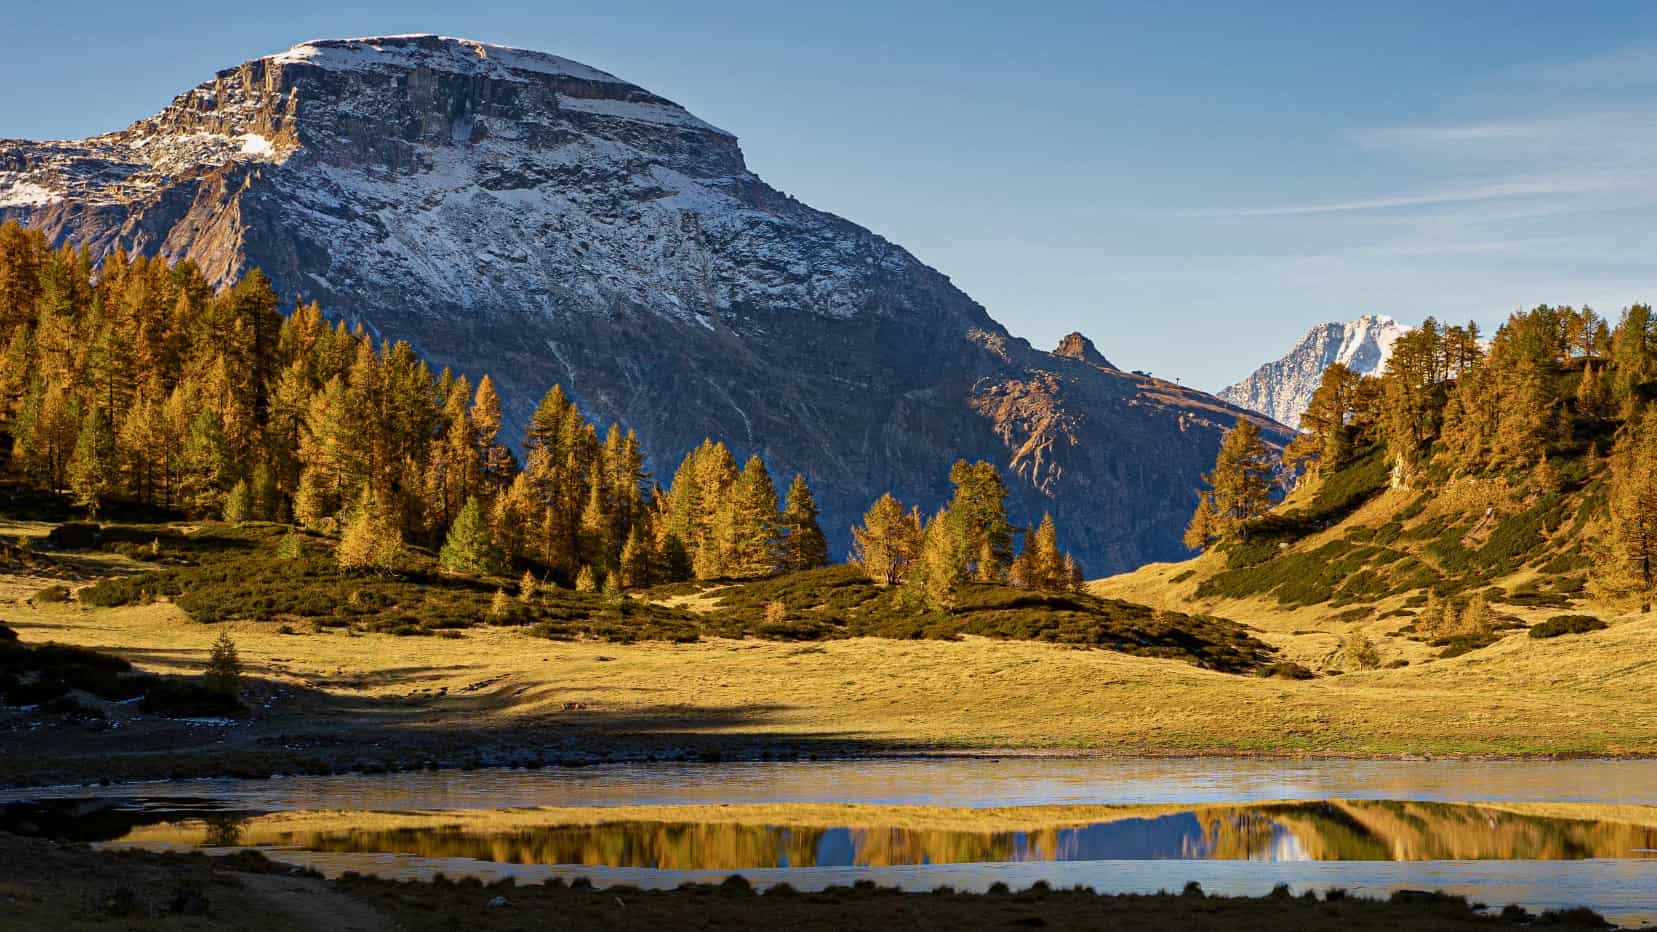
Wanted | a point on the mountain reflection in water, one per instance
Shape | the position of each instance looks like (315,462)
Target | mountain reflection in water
(1319,831)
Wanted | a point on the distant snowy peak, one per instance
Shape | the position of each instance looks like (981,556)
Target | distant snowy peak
(1282,389)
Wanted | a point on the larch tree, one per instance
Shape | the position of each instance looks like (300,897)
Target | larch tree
(939,570)
(371,541)
(803,544)
(1626,570)
(1239,488)
(885,546)
(1324,442)
(92,468)
(495,462)
(747,525)
(977,517)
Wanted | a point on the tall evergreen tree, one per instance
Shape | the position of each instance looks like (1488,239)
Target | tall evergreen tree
(92,465)
(939,571)
(1239,488)
(1627,568)
(977,518)
(885,546)
(371,541)
(804,546)
(469,547)
(746,525)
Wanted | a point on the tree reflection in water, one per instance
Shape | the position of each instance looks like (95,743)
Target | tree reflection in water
(1322,831)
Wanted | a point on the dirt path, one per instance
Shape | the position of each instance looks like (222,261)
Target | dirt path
(315,905)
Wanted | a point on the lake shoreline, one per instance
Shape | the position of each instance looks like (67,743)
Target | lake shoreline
(171,764)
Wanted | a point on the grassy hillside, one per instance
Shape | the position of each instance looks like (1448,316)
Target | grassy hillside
(1347,553)
(267,573)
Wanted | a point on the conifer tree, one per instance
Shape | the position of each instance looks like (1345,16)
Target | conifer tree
(1239,488)
(1074,580)
(1431,622)
(515,518)
(238,503)
(205,466)
(48,429)
(977,517)
(290,547)
(1049,560)
(637,561)
(939,570)
(1626,569)
(1591,396)
(804,546)
(495,463)
(312,506)
(885,546)
(92,465)
(747,527)
(370,542)
(596,545)
(470,547)
(1324,439)
(1476,618)
(716,472)
(1545,477)
(1410,414)
(1359,652)
(224,666)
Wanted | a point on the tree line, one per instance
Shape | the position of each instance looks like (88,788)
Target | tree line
(969,539)
(1557,382)
(135,380)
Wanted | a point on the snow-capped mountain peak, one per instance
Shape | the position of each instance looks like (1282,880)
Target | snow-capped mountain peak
(528,216)
(1282,389)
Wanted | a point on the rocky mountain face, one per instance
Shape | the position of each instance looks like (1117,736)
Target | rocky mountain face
(524,215)
(1281,390)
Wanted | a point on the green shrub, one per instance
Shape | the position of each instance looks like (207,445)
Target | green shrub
(1464,644)
(1567,624)
(177,697)
(75,535)
(1285,670)
(52,594)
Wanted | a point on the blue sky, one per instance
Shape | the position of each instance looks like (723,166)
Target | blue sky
(1191,185)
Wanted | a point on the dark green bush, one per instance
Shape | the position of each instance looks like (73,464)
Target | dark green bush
(75,535)
(177,697)
(1567,624)
(1285,670)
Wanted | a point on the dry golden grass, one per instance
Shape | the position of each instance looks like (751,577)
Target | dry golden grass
(1585,694)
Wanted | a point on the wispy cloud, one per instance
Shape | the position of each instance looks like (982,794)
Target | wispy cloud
(1499,189)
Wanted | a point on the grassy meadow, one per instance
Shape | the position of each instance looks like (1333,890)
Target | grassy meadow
(1143,665)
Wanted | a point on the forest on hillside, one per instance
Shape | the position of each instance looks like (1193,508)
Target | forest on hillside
(132,381)
(1554,415)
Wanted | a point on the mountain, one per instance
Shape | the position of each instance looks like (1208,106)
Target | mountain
(1281,390)
(524,215)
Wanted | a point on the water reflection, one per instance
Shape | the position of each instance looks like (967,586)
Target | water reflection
(1317,831)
